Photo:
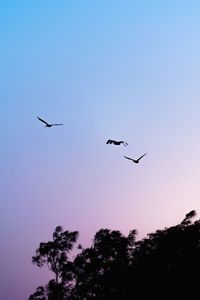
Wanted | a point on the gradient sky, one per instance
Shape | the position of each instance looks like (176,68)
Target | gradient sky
(119,69)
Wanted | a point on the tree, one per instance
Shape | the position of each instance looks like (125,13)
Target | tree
(55,255)
(39,294)
(116,267)
(167,260)
(100,271)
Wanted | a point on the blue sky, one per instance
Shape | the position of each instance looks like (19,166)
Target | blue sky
(106,69)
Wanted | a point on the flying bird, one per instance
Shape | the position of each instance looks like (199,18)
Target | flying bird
(135,160)
(47,124)
(116,142)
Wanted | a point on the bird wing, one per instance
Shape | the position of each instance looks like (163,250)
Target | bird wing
(142,156)
(42,121)
(109,141)
(56,124)
(128,158)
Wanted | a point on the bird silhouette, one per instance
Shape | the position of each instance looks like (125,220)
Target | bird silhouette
(116,142)
(47,124)
(135,160)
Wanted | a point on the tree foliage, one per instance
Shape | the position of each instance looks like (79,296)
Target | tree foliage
(119,267)
(55,254)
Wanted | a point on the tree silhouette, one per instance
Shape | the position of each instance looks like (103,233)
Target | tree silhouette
(54,254)
(167,259)
(100,271)
(39,294)
(117,267)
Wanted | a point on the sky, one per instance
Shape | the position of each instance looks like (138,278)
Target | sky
(119,69)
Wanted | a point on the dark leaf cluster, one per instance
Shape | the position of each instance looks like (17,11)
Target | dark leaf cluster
(118,267)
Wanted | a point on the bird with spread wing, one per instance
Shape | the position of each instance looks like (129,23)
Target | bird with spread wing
(47,124)
(135,160)
(116,142)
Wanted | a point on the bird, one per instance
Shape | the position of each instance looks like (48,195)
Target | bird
(47,124)
(135,160)
(116,142)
